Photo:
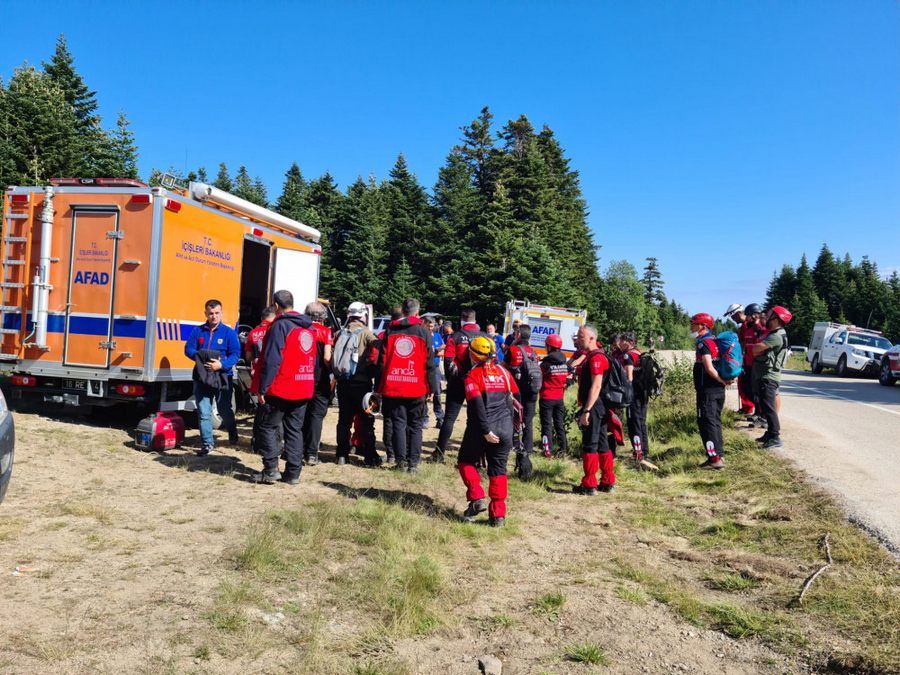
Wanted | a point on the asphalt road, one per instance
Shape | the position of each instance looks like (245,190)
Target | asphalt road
(845,432)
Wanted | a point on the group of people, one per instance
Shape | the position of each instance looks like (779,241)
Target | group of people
(765,349)
(297,365)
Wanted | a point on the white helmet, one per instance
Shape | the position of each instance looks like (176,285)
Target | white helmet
(357,309)
(732,308)
(371,403)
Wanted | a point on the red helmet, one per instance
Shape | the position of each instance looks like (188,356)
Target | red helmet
(782,313)
(553,340)
(703,319)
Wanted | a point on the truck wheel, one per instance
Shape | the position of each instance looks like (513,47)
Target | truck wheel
(884,374)
(841,369)
(816,365)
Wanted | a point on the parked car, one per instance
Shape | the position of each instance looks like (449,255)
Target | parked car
(7,446)
(845,348)
(890,366)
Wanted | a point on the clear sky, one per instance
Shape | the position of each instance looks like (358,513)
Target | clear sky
(724,138)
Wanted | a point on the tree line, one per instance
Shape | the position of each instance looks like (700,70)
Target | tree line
(837,289)
(505,218)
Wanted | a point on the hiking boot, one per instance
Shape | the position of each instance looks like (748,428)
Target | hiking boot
(400,465)
(437,457)
(312,460)
(412,468)
(266,477)
(714,465)
(373,462)
(475,507)
(205,450)
(341,460)
(773,443)
(764,438)
(607,487)
(292,480)
(390,458)
(497,522)
(586,491)
(233,438)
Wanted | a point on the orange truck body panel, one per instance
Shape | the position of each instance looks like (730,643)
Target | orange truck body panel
(130,278)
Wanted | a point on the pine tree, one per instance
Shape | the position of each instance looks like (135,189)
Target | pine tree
(411,218)
(124,151)
(358,259)
(293,200)
(201,175)
(260,194)
(41,129)
(653,283)
(61,70)
(806,306)
(623,301)
(247,188)
(223,180)
(830,279)
(477,149)
(782,287)
(892,322)
(325,202)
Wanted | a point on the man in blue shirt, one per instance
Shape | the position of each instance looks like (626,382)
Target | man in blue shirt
(498,340)
(214,348)
(438,343)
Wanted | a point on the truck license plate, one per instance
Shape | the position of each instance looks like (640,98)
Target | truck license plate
(75,384)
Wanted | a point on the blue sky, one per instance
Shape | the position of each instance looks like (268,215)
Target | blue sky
(724,138)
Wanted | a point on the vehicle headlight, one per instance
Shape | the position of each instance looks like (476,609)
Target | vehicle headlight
(860,353)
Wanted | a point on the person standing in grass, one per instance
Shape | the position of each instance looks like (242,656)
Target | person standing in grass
(710,390)
(552,403)
(595,452)
(489,431)
(771,355)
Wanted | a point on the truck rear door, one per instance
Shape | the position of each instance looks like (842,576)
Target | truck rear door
(89,303)
(297,272)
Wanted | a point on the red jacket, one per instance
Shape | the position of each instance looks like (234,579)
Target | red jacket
(750,334)
(254,347)
(556,372)
(488,387)
(288,361)
(407,359)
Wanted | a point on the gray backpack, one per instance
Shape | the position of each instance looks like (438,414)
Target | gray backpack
(345,361)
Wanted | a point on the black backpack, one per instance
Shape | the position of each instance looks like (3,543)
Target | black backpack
(616,391)
(531,377)
(650,376)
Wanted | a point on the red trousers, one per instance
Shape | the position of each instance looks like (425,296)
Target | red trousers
(745,393)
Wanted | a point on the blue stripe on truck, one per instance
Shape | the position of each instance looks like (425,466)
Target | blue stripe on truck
(83,325)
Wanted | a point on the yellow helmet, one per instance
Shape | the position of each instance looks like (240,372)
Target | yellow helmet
(481,349)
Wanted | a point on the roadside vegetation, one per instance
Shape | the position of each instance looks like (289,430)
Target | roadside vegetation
(727,551)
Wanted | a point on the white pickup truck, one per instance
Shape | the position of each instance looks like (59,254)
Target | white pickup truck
(846,348)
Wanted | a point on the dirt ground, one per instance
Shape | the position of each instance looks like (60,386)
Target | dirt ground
(119,553)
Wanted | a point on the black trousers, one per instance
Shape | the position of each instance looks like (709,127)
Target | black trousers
(637,423)
(528,407)
(709,417)
(553,423)
(474,447)
(316,410)
(350,399)
(595,436)
(406,416)
(768,391)
(436,394)
(280,413)
(455,398)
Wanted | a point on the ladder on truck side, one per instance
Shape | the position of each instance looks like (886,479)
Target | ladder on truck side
(15,261)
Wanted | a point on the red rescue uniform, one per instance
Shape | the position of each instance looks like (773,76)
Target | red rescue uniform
(596,455)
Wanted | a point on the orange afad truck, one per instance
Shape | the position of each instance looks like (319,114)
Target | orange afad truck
(103,279)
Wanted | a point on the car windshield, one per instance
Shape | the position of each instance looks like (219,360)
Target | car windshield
(868,341)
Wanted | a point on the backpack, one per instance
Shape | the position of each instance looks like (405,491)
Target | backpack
(616,391)
(531,377)
(651,375)
(729,363)
(345,361)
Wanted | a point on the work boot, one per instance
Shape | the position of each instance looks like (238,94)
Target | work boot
(607,487)
(764,438)
(497,522)
(773,443)
(714,465)
(437,457)
(373,462)
(412,468)
(400,465)
(291,480)
(267,477)
(205,450)
(233,438)
(312,460)
(475,507)
(586,491)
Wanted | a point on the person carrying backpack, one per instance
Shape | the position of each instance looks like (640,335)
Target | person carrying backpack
(637,411)
(352,364)
(771,355)
(522,362)
(552,404)
(595,453)
(710,390)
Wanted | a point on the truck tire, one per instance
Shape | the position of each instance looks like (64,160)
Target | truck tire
(841,369)
(816,364)
(884,374)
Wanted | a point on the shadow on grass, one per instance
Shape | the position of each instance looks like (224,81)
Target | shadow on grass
(414,501)
(217,463)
